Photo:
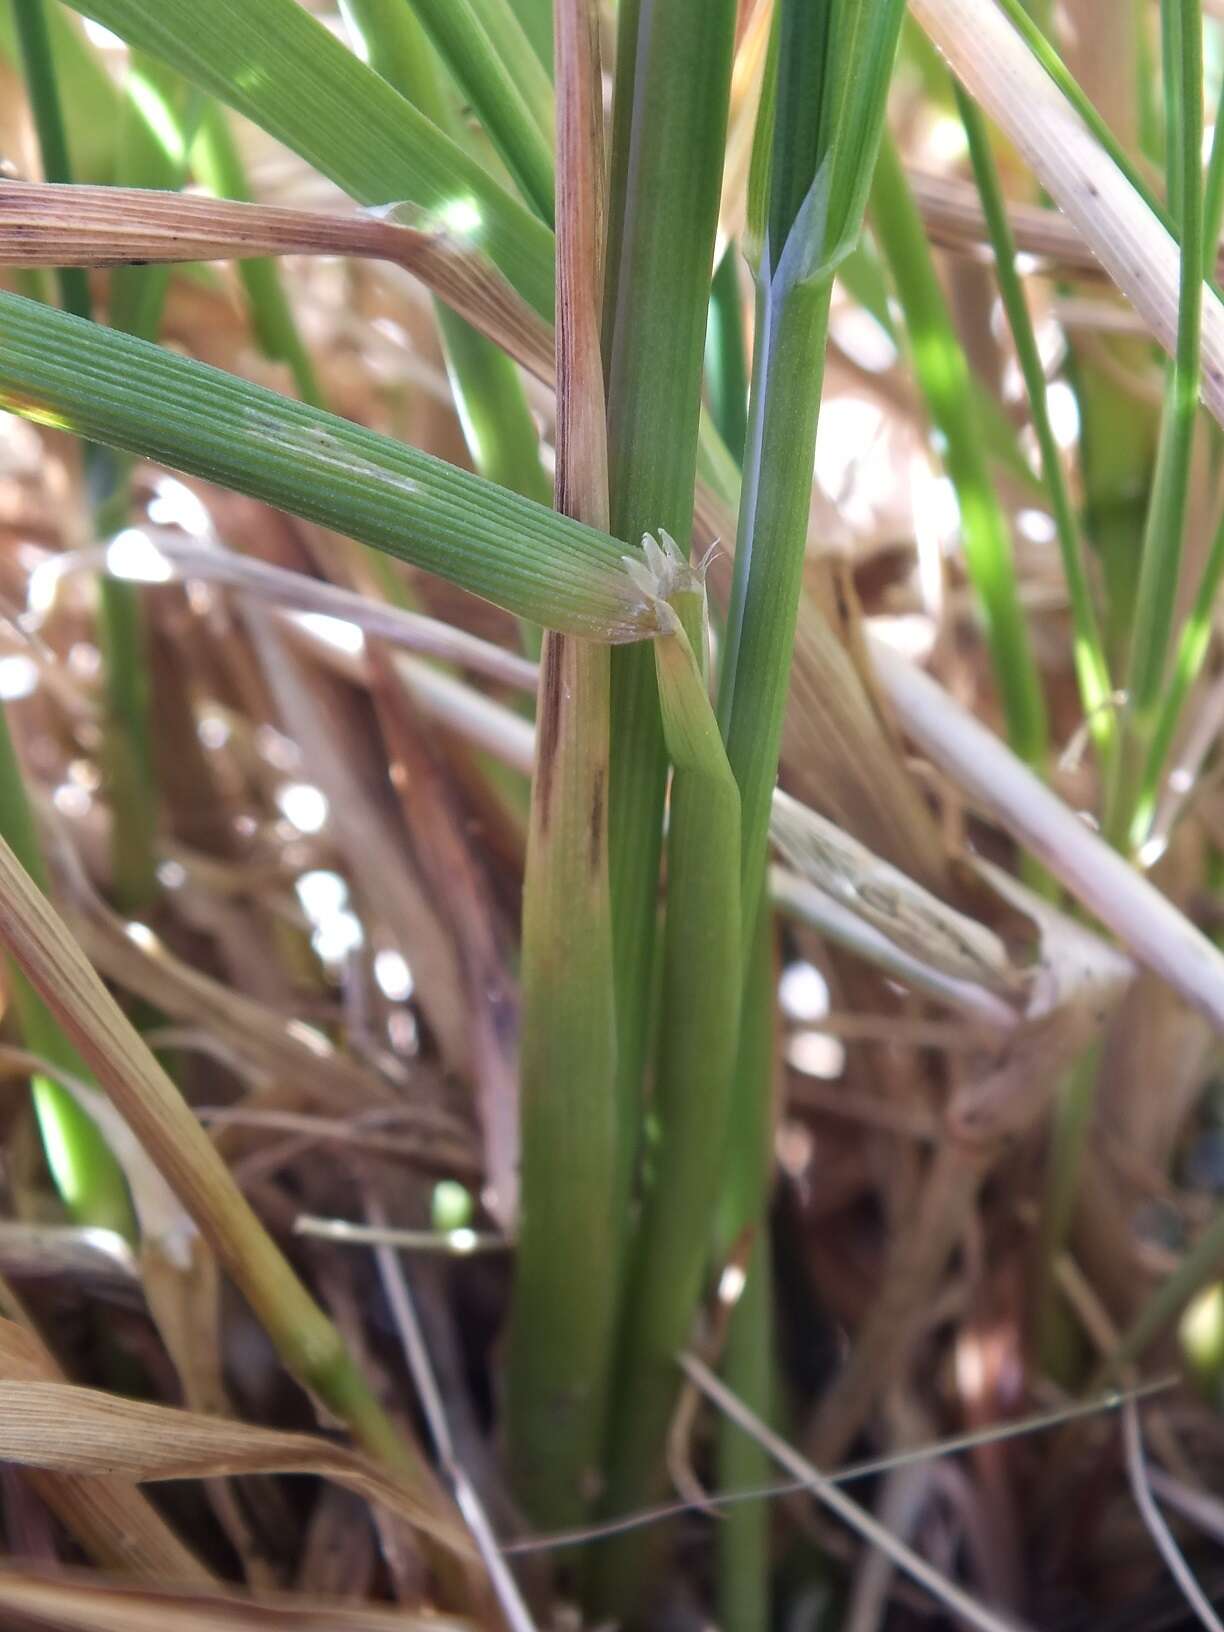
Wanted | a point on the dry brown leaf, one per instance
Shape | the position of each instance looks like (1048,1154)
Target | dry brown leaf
(112,1520)
(61,1428)
(57,225)
(77,1602)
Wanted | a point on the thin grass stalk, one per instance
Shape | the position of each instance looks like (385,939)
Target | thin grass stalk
(748,1360)
(218,165)
(152,152)
(127,744)
(1070,1130)
(1165,530)
(526,68)
(1040,43)
(1197,1268)
(942,372)
(1195,638)
(726,360)
(669,129)
(38,65)
(1091,665)
(697,1039)
(566,1282)
(90,93)
(464,45)
(86,1174)
(1192,652)
(832,78)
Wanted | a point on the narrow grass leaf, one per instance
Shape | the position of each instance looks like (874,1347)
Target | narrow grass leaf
(284,70)
(1091,666)
(942,372)
(496,100)
(113,389)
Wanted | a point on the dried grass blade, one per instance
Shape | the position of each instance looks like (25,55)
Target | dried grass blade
(298,592)
(77,1602)
(66,1429)
(944,1591)
(165,1126)
(994,64)
(67,225)
(913,919)
(1148,924)
(114,1522)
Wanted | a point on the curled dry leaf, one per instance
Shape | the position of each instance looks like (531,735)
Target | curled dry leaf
(77,1602)
(113,1521)
(81,1431)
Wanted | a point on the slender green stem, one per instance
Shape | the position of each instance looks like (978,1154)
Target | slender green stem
(943,376)
(468,51)
(698,1028)
(1187,666)
(85,1172)
(38,64)
(498,426)
(1069,1132)
(669,126)
(1200,1265)
(158,116)
(786,382)
(726,358)
(218,165)
(1213,194)
(1196,634)
(748,1360)
(1047,55)
(525,66)
(1165,529)
(1091,667)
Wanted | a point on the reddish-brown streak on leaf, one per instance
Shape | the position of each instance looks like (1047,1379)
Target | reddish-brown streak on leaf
(595,828)
(549,727)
